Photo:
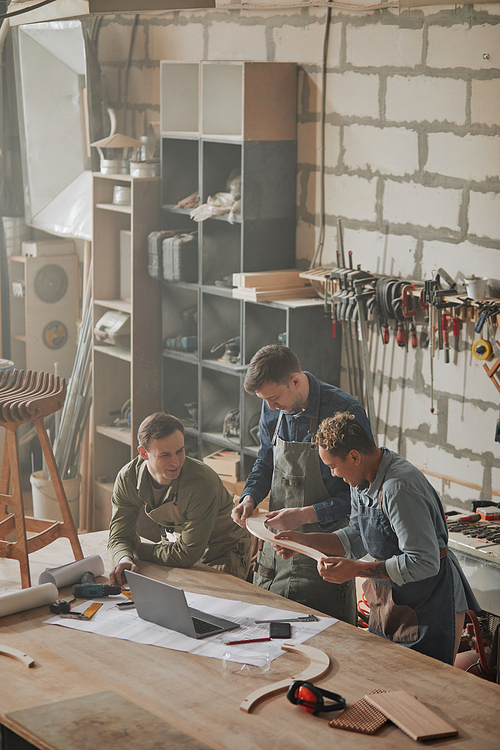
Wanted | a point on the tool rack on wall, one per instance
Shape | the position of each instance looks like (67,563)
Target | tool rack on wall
(218,118)
(430,314)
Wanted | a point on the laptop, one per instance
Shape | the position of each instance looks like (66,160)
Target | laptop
(167,606)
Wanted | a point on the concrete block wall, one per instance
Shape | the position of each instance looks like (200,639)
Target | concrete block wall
(412,164)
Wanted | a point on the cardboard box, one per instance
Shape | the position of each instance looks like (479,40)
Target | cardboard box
(36,249)
(225,463)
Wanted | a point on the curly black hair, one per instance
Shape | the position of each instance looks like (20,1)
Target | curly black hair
(342,433)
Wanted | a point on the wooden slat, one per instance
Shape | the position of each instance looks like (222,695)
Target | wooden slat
(418,721)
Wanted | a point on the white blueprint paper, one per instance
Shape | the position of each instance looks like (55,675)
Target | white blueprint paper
(126,624)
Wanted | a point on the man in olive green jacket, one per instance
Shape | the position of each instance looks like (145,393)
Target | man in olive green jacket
(184,497)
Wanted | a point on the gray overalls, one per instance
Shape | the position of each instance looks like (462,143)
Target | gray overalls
(420,614)
(297,482)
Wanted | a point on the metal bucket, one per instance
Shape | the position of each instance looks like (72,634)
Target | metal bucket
(114,166)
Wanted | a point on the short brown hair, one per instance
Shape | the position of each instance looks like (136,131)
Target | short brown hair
(341,434)
(271,364)
(156,427)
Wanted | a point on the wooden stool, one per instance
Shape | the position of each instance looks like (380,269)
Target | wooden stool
(30,398)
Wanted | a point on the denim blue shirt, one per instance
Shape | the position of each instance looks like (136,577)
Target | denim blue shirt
(416,515)
(324,401)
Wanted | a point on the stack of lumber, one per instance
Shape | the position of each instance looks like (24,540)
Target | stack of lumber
(271,285)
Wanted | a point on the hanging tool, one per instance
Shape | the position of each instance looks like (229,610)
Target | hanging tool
(481,349)
(89,589)
(446,343)
(456,332)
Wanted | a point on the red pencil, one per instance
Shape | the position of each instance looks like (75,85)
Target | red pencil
(249,640)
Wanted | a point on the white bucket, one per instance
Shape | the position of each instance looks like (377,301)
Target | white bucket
(45,504)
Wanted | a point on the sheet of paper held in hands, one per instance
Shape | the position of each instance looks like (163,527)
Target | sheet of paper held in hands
(126,624)
(67,575)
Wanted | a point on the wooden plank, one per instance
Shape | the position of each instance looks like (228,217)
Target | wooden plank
(417,720)
(303,292)
(100,720)
(272,279)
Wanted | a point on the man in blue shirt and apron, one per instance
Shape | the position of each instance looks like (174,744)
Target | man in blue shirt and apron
(304,495)
(415,587)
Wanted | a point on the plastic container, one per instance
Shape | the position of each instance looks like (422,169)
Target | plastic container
(45,504)
(476,287)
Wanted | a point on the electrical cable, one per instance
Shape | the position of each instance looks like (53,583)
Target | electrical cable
(127,71)
(318,254)
(26,10)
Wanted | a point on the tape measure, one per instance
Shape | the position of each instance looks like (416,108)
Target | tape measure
(92,609)
(481,349)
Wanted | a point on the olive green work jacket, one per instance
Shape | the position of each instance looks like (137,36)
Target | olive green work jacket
(196,508)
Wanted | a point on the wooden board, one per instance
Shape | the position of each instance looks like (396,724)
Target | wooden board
(361,717)
(100,720)
(418,721)
(255,525)
(251,295)
(269,279)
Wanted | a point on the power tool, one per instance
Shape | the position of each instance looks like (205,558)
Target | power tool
(89,589)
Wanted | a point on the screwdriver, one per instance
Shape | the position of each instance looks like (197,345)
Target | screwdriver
(89,589)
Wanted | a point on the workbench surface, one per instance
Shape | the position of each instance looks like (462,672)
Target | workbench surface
(194,693)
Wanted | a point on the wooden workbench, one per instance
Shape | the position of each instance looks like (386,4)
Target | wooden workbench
(194,694)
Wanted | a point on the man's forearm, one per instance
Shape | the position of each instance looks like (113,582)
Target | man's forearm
(328,544)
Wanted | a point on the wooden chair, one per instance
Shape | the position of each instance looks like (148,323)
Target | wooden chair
(29,398)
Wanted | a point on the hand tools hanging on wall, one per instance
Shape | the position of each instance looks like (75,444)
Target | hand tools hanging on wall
(425,314)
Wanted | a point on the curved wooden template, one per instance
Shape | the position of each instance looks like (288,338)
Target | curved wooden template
(255,525)
(16,654)
(319,663)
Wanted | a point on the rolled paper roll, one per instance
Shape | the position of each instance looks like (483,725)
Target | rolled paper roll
(67,575)
(20,601)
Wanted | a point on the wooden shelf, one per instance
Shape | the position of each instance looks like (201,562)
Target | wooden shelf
(114,207)
(125,378)
(114,351)
(121,434)
(115,304)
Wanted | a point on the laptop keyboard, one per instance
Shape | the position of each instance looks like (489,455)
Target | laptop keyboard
(201,626)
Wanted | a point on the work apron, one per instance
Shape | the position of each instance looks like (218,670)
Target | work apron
(297,482)
(420,614)
(228,548)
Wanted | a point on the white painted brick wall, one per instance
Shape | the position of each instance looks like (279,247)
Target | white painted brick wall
(353,197)
(309,143)
(464,257)
(379,45)
(385,150)
(179,42)
(462,418)
(439,461)
(462,46)
(144,86)
(229,41)
(307,238)
(473,157)
(484,215)
(409,203)
(353,94)
(288,39)
(425,98)
(382,253)
(485,102)
(114,42)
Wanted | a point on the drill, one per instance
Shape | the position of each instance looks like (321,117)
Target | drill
(89,589)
